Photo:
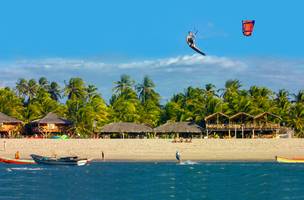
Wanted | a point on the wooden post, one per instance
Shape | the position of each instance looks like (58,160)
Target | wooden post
(242,131)
(253,133)
(207,133)
(229,134)
(235,131)
(4,145)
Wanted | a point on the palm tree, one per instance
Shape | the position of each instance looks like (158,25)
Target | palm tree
(210,89)
(231,88)
(10,103)
(75,88)
(124,83)
(296,118)
(261,98)
(299,97)
(21,86)
(282,103)
(92,91)
(27,88)
(146,90)
(44,83)
(32,89)
(55,91)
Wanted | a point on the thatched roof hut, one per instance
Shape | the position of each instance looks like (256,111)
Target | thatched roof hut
(52,118)
(8,125)
(178,127)
(126,127)
(51,123)
(8,120)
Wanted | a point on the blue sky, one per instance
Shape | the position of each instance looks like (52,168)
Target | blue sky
(96,40)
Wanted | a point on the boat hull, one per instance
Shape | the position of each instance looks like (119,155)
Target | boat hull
(16,161)
(288,160)
(59,161)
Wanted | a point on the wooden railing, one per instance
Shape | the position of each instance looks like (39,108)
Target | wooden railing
(46,129)
(8,127)
(244,126)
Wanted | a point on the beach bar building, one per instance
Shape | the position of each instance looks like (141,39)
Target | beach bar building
(49,124)
(243,125)
(9,125)
(125,130)
(178,129)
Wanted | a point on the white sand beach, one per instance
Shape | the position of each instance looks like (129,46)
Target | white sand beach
(157,149)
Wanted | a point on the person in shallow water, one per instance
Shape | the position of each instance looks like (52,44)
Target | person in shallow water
(178,156)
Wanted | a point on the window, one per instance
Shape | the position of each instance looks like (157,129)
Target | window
(51,126)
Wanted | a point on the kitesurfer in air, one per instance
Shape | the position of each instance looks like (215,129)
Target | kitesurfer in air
(190,39)
(191,42)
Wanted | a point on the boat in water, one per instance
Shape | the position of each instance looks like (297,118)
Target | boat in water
(70,160)
(289,160)
(16,161)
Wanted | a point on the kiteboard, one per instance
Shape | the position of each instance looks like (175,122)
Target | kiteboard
(197,50)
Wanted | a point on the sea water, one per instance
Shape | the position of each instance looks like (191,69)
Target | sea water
(151,180)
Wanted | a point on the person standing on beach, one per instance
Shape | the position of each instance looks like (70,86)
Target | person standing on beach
(17,155)
(102,155)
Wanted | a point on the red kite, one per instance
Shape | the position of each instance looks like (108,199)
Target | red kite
(248,27)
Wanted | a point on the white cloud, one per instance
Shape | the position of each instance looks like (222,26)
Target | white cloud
(171,74)
(187,60)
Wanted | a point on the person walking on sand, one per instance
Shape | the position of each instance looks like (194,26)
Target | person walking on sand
(102,155)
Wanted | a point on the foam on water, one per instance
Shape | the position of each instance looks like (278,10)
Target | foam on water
(24,169)
(188,162)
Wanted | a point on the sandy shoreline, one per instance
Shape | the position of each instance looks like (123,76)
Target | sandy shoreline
(157,150)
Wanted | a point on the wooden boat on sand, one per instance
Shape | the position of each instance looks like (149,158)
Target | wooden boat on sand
(71,160)
(289,160)
(16,161)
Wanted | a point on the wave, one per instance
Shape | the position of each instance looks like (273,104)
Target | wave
(24,169)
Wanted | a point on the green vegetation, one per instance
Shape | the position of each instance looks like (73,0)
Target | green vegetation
(132,102)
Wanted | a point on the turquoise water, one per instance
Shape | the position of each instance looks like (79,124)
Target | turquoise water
(157,181)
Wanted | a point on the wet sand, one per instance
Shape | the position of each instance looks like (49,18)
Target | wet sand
(157,149)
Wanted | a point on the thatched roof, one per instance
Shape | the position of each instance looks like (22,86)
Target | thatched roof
(7,119)
(214,115)
(241,114)
(178,127)
(126,127)
(267,113)
(52,118)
